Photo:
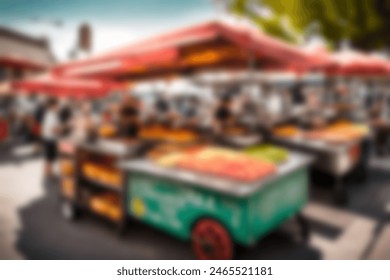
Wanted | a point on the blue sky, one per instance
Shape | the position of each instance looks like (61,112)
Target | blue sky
(114,22)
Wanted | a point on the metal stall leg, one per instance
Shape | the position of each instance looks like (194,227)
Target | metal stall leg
(304,228)
(122,224)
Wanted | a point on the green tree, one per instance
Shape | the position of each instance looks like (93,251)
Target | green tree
(363,23)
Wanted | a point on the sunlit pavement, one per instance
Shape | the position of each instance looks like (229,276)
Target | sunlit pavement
(20,186)
(31,226)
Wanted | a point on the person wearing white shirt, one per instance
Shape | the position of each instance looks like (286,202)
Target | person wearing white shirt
(50,131)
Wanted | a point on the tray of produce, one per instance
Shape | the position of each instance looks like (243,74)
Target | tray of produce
(107,205)
(110,177)
(287,131)
(341,132)
(268,152)
(217,161)
(161,133)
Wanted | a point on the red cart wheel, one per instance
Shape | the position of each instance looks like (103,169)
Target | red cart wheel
(211,241)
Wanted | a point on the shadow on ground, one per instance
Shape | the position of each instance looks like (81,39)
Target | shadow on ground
(46,235)
(367,197)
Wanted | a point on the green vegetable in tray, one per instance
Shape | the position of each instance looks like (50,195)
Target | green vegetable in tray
(268,152)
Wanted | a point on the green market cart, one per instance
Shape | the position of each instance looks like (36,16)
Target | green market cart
(215,213)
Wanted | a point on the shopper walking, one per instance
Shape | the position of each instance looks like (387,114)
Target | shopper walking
(50,131)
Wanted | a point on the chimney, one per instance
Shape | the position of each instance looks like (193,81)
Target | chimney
(85,38)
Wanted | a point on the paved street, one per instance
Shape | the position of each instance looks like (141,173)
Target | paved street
(32,228)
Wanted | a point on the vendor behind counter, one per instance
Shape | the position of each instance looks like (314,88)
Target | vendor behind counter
(224,112)
(129,120)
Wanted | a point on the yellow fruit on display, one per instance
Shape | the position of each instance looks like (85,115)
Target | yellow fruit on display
(138,207)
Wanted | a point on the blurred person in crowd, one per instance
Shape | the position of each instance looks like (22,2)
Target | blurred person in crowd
(129,117)
(223,113)
(315,115)
(163,108)
(359,94)
(272,103)
(249,107)
(37,121)
(343,105)
(30,108)
(50,131)
(25,107)
(83,121)
(188,107)
(297,94)
(65,116)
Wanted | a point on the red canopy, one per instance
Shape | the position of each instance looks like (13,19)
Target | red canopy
(357,63)
(321,59)
(21,62)
(69,87)
(169,49)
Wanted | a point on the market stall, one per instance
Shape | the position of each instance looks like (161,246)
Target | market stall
(177,194)
(337,149)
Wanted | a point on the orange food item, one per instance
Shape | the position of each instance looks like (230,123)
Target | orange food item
(107,205)
(67,167)
(115,179)
(114,212)
(99,205)
(107,131)
(102,174)
(87,169)
(286,131)
(166,134)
